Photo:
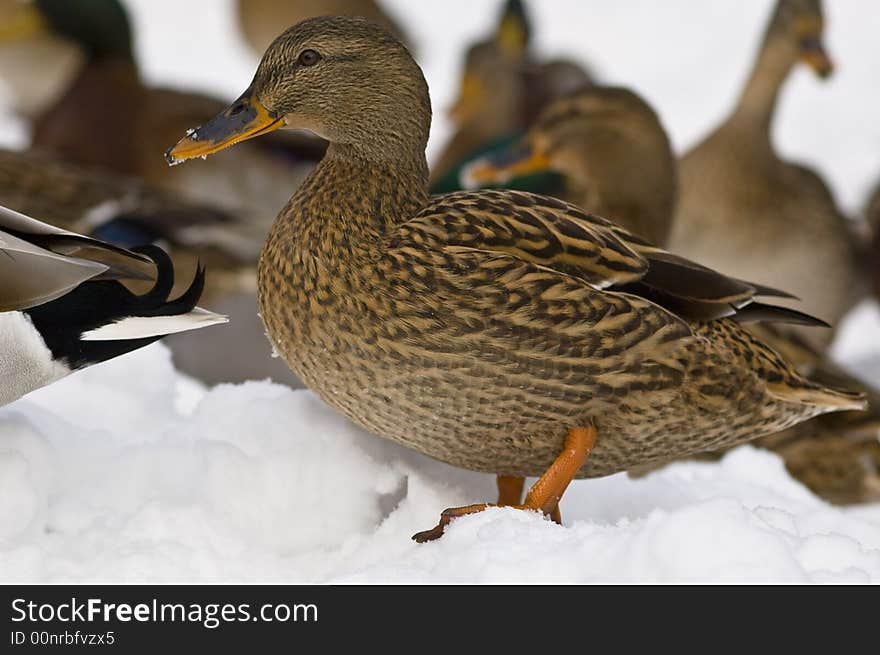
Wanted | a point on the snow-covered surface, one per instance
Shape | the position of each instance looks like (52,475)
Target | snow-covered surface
(130,472)
(127,472)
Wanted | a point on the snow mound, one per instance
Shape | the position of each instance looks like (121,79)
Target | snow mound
(129,472)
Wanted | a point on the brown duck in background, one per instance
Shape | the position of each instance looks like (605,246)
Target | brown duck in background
(747,212)
(260,20)
(613,152)
(494,330)
(98,112)
(502,89)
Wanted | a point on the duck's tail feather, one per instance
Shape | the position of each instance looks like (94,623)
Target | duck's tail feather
(145,327)
(152,314)
(758,312)
(826,398)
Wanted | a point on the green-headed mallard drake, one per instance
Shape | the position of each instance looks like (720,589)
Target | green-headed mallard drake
(501,92)
(63,308)
(128,212)
(744,210)
(495,330)
(612,151)
(72,72)
(261,19)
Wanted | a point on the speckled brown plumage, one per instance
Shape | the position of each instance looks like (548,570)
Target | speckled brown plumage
(837,456)
(478,327)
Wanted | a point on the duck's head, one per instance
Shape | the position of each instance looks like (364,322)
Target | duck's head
(44,45)
(99,28)
(797,26)
(590,134)
(345,79)
(493,67)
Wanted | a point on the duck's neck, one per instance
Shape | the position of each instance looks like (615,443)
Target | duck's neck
(757,103)
(351,200)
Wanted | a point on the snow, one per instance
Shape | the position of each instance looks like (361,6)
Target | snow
(112,477)
(131,472)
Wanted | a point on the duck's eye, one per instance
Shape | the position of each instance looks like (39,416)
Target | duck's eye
(308,58)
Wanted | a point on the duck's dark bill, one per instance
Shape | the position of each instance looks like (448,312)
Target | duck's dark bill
(496,169)
(814,55)
(243,119)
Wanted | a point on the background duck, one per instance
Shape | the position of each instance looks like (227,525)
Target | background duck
(62,307)
(612,151)
(73,75)
(744,210)
(261,20)
(494,330)
(502,90)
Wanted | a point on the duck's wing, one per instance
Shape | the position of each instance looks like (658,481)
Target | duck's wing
(40,262)
(556,236)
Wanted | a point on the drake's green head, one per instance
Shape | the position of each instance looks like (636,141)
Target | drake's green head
(100,27)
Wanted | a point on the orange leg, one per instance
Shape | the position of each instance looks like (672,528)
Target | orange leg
(510,489)
(545,493)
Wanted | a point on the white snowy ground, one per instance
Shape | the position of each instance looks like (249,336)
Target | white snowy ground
(130,473)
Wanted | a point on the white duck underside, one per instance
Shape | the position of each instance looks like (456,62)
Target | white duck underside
(26,363)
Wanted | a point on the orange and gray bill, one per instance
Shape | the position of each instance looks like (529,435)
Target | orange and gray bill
(243,119)
(814,55)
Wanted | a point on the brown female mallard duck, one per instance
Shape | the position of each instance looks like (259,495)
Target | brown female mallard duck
(744,210)
(502,89)
(613,152)
(497,331)
(73,75)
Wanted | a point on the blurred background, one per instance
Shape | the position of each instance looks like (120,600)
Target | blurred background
(688,59)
